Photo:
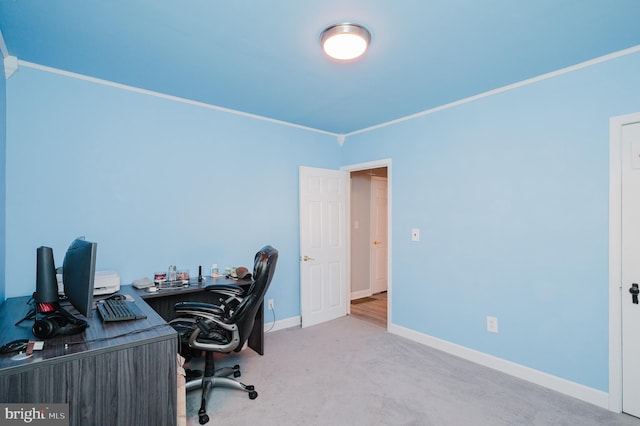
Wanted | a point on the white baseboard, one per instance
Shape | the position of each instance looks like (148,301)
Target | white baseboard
(360,294)
(558,384)
(280,324)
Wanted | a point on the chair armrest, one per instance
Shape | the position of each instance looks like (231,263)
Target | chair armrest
(198,307)
(229,295)
(230,289)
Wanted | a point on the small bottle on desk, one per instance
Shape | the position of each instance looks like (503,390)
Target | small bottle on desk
(173,273)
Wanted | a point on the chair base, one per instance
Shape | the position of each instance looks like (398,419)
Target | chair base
(221,379)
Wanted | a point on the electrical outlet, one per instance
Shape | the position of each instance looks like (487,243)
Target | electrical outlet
(492,324)
(270,304)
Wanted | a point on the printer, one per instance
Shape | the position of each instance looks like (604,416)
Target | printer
(105,282)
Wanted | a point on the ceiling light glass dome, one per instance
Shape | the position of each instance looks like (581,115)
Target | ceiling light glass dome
(345,41)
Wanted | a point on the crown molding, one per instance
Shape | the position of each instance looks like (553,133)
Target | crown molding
(10,66)
(3,46)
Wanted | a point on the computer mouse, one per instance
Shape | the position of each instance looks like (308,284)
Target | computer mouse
(15,346)
(117,297)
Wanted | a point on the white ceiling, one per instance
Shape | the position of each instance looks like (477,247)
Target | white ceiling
(264,57)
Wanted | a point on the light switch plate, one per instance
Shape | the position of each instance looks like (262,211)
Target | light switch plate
(492,324)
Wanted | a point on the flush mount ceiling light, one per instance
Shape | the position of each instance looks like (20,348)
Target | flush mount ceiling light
(345,41)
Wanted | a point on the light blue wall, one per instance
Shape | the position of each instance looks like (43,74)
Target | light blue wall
(3,203)
(155,182)
(511,195)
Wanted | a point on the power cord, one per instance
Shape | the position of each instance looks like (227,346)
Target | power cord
(102,339)
(273,310)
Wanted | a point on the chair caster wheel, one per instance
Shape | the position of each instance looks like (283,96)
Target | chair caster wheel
(237,372)
(253,395)
(249,387)
(203,418)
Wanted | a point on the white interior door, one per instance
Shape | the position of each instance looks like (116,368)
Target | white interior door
(379,244)
(323,248)
(630,268)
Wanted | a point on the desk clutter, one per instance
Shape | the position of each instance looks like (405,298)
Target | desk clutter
(234,273)
(172,278)
(176,278)
(54,319)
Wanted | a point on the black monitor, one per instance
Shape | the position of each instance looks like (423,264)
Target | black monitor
(78,275)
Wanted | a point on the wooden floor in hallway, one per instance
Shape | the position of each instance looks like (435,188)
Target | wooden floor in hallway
(372,309)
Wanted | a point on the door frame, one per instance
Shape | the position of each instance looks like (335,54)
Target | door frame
(615,257)
(365,166)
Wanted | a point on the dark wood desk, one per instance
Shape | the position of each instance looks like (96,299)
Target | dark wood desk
(111,374)
(163,301)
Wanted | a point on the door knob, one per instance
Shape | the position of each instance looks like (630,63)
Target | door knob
(634,290)
(375,243)
(306,258)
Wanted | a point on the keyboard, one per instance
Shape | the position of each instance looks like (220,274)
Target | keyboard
(119,310)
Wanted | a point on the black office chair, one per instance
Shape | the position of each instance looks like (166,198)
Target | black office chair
(224,328)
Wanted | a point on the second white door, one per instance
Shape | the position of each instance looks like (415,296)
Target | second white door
(379,244)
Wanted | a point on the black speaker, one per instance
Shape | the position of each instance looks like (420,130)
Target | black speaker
(46,282)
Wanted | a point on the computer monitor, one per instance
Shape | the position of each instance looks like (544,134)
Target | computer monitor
(78,275)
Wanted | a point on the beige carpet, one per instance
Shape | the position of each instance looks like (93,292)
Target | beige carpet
(349,372)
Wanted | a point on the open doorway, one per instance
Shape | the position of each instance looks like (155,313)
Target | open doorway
(369,244)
